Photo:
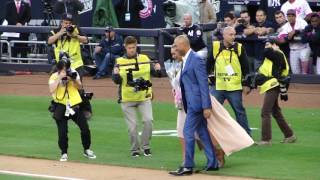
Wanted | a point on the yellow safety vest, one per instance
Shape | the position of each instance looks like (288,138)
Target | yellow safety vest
(266,70)
(64,93)
(127,92)
(72,47)
(226,62)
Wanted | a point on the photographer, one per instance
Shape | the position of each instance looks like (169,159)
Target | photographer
(64,85)
(132,74)
(67,38)
(273,80)
(69,7)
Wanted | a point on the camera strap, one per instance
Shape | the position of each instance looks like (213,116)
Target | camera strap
(64,94)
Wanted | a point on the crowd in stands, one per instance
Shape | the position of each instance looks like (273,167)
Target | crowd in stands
(296,29)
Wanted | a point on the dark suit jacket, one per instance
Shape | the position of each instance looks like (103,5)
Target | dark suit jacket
(13,17)
(194,84)
(134,8)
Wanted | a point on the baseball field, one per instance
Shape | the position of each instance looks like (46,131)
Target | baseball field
(29,149)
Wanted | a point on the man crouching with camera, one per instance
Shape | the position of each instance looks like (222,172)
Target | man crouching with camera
(67,38)
(64,85)
(132,73)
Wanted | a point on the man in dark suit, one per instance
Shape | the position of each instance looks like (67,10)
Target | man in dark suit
(18,13)
(197,103)
(128,13)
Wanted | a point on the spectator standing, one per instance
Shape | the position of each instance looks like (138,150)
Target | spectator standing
(262,28)
(270,7)
(128,13)
(312,35)
(228,20)
(245,29)
(207,15)
(299,51)
(109,49)
(18,13)
(194,33)
(301,7)
(281,20)
(69,7)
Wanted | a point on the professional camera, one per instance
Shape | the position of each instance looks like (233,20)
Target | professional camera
(64,61)
(70,29)
(87,95)
(71,74)
(241,21)
(140,84)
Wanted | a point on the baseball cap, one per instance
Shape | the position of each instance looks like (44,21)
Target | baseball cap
(109,29)
(67,17)
(291,12)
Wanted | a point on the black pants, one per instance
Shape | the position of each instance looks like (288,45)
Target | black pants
(62,124)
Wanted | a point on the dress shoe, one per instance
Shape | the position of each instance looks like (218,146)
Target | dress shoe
(290,139)
(181,171)
(211,169)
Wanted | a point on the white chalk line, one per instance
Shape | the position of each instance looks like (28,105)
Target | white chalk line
(37,175)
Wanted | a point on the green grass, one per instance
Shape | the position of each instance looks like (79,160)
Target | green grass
(26,129)
(10,177)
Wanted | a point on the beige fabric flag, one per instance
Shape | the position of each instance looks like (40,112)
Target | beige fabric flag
(228,133)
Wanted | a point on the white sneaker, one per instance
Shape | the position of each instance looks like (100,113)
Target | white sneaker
(64,157)
(89,154)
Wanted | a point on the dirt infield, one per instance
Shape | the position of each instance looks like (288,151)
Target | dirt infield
(90,171)
(300,96)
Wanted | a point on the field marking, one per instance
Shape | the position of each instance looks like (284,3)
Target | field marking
(173,133)
(37,175)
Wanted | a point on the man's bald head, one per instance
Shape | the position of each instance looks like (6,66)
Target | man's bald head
(182,44)
(229,35)
(228,29)
(187,19)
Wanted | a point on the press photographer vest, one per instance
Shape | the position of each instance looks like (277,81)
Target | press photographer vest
(63,93)
(127,92)
(70,46)
(227,68)
(266,70)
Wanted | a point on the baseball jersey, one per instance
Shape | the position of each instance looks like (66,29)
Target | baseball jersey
(301,6)
(287,28)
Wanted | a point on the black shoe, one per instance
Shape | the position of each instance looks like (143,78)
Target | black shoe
(135,154)
(181,171)
(147,152)
(211,169)
(206,169)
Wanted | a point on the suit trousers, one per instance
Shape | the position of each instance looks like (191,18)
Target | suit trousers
(271,107)
(195,122)
(129,110)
